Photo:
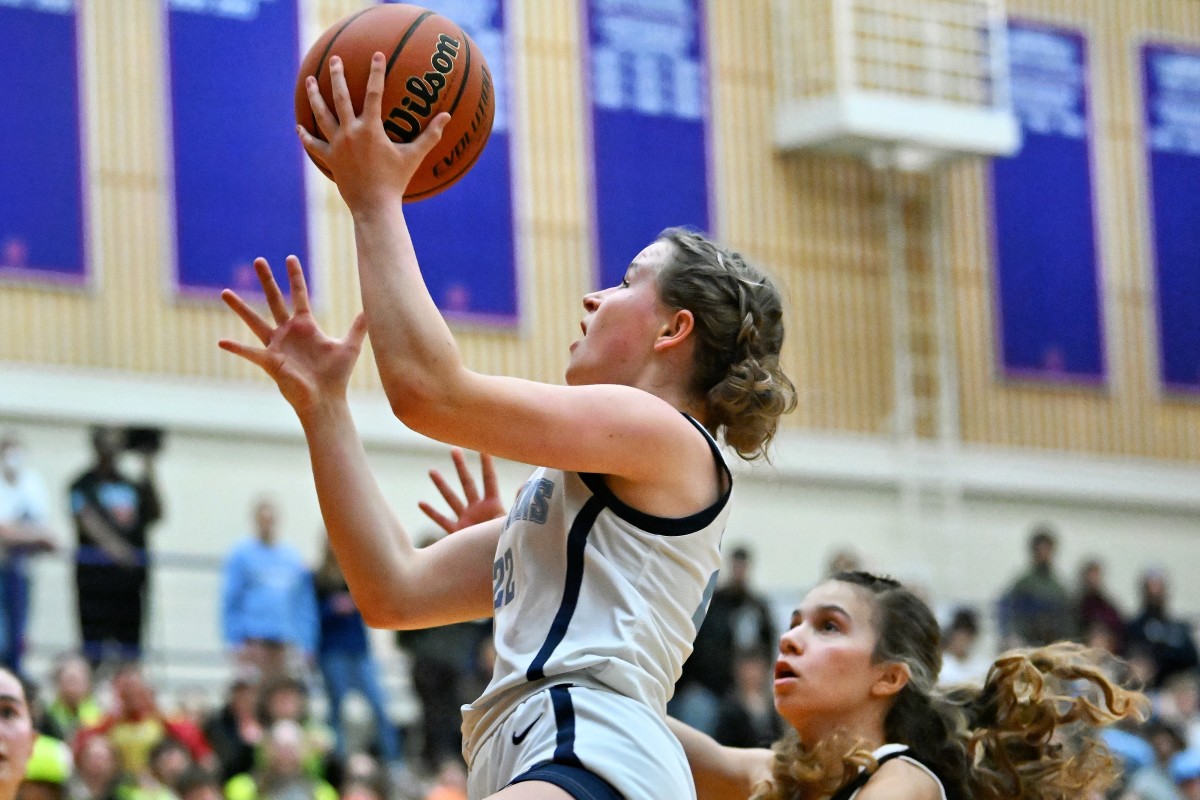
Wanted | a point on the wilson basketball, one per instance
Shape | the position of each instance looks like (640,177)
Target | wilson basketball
(432,66)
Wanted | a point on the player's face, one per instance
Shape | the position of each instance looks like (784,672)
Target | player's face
(825,669)
(621,324)
(16,733)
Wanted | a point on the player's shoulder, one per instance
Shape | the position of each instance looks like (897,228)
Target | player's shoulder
(901,779)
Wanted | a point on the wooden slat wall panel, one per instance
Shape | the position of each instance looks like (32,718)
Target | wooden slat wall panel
(1129,416)
(816,222)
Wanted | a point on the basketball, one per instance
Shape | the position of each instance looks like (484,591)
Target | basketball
(432,66)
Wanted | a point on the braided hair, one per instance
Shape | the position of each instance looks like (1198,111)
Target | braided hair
(738,316)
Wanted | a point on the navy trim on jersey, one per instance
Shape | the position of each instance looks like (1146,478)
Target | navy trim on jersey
(564,720)
(576,542)
(665,526)
(579,782)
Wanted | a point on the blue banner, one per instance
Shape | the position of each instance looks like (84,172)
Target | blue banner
(649,97)
(238,165)
(1172,100)
(465,236)
(1045,240)
(41,172)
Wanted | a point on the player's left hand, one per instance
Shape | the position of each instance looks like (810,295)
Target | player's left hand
(310,367)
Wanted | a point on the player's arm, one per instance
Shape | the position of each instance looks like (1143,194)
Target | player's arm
(394,584)
(721,773)
(612,430)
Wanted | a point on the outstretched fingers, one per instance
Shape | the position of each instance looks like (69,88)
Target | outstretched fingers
(257,325)
(439,519)
(255,355)
(341,92)
(327,124)
(274,297)
(487,467)
(373,99)
(465,478)
(297,285)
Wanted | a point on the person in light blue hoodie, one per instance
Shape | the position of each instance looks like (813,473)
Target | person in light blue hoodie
(268,608)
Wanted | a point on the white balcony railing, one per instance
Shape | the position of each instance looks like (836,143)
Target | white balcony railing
(922,80)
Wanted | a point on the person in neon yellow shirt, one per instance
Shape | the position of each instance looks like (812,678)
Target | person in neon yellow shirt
(282,773)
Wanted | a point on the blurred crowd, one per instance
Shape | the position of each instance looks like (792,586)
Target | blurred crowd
(296,641)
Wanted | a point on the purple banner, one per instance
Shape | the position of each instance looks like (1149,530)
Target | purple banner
(1045,241)
(465,236)
(649,98)
(1172,100)
(41,174)
(238,166)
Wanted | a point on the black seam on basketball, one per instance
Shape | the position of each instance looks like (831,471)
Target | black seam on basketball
(324,55)
(449,181)
(404,40)
(462,86)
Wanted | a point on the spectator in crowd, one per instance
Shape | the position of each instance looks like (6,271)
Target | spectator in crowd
(746,717)
(136,724)
(1167,639)
(73,706)
(16,734)
(960,662)
(48,770)
(1095,609)
(1179,703)
(268,610)
(844,559)
(98,773)
(168,761)
(24,529)
(234,730)
(363,776)
(1036,609)
(344,656)
(1154,781)
(113,515)
(286,698)
(281,774)
(738,619)
(450,783)
(1185,768)
(198,783)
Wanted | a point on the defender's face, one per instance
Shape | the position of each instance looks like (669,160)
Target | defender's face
(825,666)
(621,324)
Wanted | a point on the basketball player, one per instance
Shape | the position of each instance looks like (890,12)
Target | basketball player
(600,574)
(855,679)
(16,734)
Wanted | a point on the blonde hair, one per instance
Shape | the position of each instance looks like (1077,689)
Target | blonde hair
(1027,733)
(738,315)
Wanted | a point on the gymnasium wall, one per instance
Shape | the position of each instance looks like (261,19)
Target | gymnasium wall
(1116,466)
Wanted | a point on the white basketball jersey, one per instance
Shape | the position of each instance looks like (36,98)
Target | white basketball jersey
(590,591)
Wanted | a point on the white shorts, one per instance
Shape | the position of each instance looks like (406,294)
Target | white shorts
(616,738)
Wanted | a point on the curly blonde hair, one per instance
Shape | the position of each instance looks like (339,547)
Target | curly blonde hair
(1027,733)
(738,315)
